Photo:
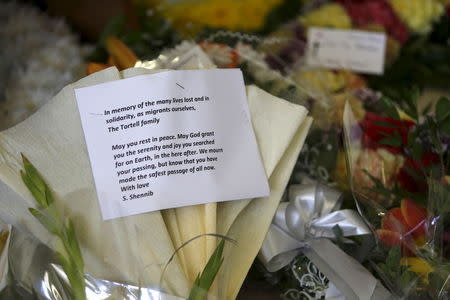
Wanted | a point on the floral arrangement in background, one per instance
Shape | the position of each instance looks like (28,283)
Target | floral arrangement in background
(193,18)
(39,56)
(246,15)
(416,55)
(399,19)
(399,167)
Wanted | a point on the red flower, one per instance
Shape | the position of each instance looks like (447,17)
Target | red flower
(448,10)
(366,12)
(412,176)
(375,130)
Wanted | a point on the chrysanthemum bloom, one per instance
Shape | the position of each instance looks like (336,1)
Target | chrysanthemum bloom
(329,15)
(419,15)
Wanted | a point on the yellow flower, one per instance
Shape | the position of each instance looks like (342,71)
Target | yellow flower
(219,14)
(418,15)
(337,112)
(253,13)
(404,116)
(417,265)
(339,174)
(329,15)
(244,15)
(324,81)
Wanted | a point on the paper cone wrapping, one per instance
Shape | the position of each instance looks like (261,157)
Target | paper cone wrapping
(135,249)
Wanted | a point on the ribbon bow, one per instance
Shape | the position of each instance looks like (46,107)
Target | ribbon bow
(305,224)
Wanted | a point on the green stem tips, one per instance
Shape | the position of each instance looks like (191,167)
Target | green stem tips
(46,213)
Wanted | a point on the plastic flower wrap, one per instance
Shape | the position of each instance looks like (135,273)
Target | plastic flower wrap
(398,167)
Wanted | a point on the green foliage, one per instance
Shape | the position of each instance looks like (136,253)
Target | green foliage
(287,10)
(389,108)
(339,236)
(442,109)
(394,140)
(393,272)
(204,280)
(152,34)
(423,62)
(431,127)
(443,115)
(71,259)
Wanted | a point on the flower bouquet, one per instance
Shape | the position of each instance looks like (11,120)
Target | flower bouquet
(398,166)
(326,92)
(72,253)
(416,56)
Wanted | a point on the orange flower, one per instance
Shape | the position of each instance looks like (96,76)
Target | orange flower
(119,55)
(404,225)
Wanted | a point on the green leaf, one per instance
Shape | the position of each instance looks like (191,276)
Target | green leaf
(393,260)
(36,184)
(385,124)
(417,151)
(442,109)
(445,125)
(34,175)
(37,194)
(204,280)
(48,216)
(377,181)
(408,278)
(114,27)
(46,221)
(435,282)
(394,141)
(75,277)
(427,109)
(339,236)
(412,135)
(389,108)
(387,134)
(48,197)
(74,247)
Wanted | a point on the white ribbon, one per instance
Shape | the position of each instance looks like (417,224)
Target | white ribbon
(305,224)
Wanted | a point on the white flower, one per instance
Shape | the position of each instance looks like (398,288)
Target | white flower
(39,57)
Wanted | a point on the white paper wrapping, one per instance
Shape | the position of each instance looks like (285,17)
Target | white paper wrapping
(135,249)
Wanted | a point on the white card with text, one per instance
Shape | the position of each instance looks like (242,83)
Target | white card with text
(360,51)
(171,139)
